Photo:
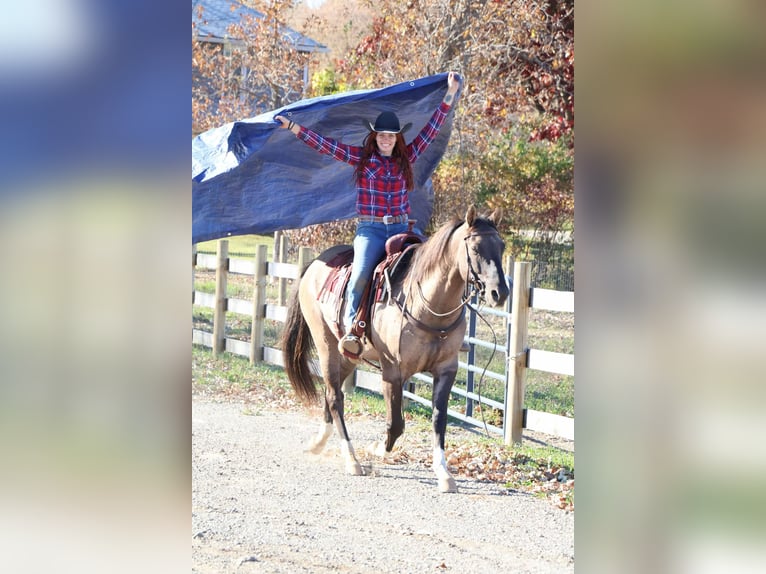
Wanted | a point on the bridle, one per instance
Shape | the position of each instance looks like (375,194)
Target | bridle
(473,279)
(473,285)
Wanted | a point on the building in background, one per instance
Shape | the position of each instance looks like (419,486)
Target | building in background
(243,74)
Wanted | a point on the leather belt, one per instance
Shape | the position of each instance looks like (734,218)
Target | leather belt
(387,219)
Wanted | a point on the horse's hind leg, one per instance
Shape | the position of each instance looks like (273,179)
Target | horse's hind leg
(318,443)
(392,394)
(334,403)
(335,369)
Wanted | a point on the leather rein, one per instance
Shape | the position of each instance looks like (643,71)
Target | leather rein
(473,284)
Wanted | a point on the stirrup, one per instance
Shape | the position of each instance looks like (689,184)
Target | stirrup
(350,346)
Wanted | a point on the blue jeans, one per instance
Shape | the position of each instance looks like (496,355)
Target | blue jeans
(369,250)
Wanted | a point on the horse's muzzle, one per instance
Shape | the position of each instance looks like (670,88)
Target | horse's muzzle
(496,296)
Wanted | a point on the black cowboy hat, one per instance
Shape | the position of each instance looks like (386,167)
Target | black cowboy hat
(388,123)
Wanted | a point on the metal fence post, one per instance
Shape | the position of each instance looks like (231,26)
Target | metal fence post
(516,370)
(219,315)
(471,359)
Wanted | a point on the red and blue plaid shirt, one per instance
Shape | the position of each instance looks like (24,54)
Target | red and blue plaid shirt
(381,189)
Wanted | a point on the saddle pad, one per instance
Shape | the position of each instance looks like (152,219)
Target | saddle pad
(335,285)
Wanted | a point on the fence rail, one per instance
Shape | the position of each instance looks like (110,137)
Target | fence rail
(519,357)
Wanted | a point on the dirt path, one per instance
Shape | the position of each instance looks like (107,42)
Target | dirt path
(259,504)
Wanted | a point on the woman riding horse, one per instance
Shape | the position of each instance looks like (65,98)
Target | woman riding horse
(383,175)
(419,328)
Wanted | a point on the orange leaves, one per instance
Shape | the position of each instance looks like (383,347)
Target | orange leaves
(496,463)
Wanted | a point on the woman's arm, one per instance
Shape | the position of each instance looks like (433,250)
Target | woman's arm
(328,146)
(431,129)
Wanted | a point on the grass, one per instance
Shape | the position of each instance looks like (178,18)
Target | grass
(547,392)
(549,331)
(243,245)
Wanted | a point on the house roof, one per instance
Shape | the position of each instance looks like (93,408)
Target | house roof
(218,15)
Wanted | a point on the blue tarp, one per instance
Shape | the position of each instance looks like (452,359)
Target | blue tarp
(252,177)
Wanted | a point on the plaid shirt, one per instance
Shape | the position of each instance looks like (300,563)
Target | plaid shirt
(381,189)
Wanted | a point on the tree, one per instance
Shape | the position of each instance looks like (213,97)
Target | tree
(517,59)
(238,79)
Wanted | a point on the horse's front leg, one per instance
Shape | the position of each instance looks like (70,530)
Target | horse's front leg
(441,392)
(334,398)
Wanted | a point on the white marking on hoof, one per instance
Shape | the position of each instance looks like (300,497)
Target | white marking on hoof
(352,464)
(377,448)
(317,444)
(447,485)
(439,466)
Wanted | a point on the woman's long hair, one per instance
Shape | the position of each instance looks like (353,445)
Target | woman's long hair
(399,155)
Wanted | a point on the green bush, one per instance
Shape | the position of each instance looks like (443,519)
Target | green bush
(532,180)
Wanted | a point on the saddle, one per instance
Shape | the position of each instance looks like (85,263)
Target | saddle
(399,251)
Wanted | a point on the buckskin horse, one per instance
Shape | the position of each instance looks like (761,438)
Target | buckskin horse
(419,327)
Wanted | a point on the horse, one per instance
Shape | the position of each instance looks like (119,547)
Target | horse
(419,328)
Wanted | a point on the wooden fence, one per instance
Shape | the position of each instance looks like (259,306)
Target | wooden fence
(519,357)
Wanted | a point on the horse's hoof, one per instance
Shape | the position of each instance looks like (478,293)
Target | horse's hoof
(447,485)
(314,449)
(376,448)
(354,469)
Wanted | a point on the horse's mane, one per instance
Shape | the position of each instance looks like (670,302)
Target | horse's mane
(433,256)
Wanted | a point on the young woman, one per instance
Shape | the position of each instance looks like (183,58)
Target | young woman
(383,175)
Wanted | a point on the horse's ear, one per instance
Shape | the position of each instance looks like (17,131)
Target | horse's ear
(470,216)
(497,216)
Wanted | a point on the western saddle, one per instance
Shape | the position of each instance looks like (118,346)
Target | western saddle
(399,251)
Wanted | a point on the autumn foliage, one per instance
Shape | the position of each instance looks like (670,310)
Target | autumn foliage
(513,139)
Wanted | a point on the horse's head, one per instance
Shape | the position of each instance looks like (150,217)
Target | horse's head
(484,250)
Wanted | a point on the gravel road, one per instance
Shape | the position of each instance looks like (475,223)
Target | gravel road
(259,504)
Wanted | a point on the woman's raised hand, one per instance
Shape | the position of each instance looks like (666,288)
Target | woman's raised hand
(453,83)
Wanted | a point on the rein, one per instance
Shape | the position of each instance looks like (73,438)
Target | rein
(472,282)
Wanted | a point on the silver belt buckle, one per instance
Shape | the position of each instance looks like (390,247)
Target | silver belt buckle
(388,219)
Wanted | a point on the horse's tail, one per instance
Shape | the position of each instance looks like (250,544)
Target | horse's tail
(296,350)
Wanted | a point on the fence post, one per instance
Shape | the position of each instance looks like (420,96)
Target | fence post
(516,370)
(282,280)
(275,254)
(304,259)
(509,261)
(194,267)
(259,305)
(349,383)
(219,315)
